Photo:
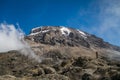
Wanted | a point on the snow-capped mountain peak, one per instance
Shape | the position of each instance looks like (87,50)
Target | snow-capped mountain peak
(64,30)
(54,35)
(82,33)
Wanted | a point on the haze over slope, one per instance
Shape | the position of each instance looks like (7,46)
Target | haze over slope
(13,39)
(10,38)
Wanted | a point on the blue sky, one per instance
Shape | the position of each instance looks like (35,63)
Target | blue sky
(99,17)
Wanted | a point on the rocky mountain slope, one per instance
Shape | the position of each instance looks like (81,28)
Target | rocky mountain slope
(66,54)
(60,35)
(63,36)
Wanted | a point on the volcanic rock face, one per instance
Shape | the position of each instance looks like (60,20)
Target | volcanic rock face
(60,35)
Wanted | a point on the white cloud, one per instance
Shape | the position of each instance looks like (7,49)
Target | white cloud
(10,38)
(101,18)
(13,39)
(109,17)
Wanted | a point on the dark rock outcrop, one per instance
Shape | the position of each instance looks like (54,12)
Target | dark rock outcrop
(59,35)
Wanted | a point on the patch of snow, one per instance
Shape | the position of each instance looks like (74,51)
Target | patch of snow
(82,34)
(44,31)
(65,31)
(39,32)
(36,28)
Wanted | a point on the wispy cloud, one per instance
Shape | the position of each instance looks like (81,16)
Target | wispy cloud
(13,39)
(109,18)
(10,38)
(103,20)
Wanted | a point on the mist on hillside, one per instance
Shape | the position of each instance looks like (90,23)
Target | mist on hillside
(13,39)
